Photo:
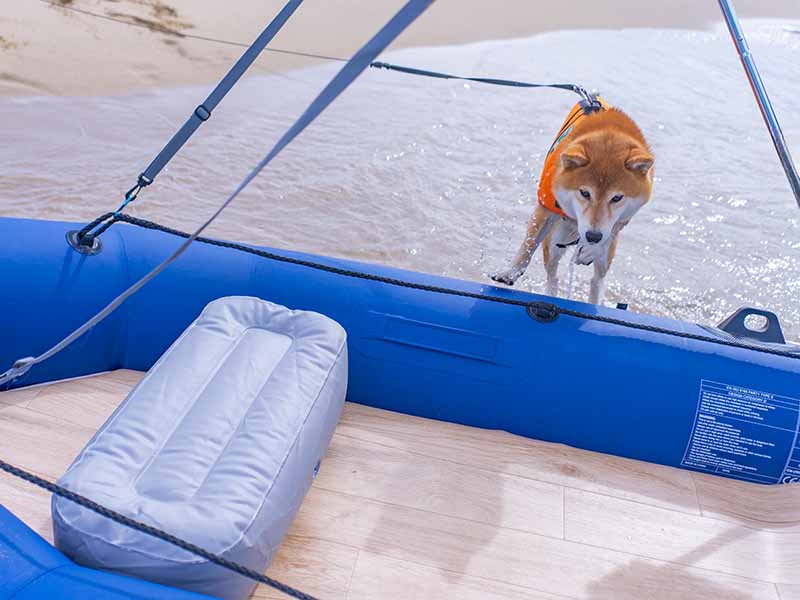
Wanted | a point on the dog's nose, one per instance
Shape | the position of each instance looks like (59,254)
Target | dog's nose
(593,236)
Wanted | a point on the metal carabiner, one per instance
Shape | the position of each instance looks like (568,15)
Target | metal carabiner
(132,193)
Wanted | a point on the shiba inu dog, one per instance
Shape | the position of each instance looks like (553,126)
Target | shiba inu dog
(597,176)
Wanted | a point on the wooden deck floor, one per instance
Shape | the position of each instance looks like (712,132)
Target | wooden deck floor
(407,508)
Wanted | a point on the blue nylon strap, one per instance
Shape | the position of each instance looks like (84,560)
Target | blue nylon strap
(360,61)
(348,73)
(203,112)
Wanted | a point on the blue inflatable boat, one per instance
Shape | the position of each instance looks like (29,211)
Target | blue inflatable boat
(723,401)
(649,388)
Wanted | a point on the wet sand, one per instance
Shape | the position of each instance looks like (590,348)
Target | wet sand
(130,45)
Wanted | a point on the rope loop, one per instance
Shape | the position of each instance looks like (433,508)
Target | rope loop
(87,239)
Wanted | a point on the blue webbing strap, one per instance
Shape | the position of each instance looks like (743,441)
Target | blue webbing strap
(360,61)
(203,112)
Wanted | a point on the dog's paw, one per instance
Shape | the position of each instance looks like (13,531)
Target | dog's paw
(506,277)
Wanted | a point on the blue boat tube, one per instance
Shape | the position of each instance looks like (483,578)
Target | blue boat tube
(629,391)
(31,569)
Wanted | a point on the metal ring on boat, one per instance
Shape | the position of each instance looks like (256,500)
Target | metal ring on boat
(77,244)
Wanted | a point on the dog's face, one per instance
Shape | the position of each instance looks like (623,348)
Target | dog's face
(603,179)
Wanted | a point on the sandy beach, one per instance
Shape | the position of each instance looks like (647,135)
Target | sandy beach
(59,48)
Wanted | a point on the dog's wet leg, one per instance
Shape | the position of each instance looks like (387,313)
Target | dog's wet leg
(538,226)
(598,285)
(552,256)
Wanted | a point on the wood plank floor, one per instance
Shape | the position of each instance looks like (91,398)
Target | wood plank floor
(409,508)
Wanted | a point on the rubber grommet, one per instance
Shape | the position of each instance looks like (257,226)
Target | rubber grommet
(544,312)
(88,249)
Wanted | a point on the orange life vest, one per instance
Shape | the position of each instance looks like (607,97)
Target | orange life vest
(579,112)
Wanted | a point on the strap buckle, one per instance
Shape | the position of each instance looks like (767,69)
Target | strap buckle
(589,102)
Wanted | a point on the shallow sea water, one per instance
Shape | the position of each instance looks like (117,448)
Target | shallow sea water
(440,176)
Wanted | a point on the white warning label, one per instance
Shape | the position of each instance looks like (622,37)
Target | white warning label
(745,433)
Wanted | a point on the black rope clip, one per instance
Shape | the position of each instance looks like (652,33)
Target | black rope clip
(544,312)
(132,193)
(87,241)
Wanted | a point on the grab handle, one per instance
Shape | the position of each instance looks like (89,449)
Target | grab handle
(768,331)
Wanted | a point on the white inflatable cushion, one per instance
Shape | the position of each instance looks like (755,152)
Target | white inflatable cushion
(218,445)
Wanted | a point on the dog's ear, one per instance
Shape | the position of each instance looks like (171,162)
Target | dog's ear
(639,161)
(574,156)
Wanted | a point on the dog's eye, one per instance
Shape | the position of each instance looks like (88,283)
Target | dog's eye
(586,194)
(617,198)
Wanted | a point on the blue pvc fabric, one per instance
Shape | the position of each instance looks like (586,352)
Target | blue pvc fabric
(31,569)
(599,386)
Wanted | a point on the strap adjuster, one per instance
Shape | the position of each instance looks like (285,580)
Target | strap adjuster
(202,113)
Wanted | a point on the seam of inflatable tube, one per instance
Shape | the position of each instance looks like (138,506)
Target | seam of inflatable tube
(253,280)
(121,326)
(30,582)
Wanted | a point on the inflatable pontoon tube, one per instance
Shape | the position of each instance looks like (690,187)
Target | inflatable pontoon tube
(601,386)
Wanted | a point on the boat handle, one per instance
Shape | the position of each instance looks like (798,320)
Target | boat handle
(738,326)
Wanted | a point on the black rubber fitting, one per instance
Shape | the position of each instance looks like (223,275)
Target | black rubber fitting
(736,325)
(89,245)
(544,312)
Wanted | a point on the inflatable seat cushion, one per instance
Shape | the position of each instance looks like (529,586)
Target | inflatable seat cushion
(218,445)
